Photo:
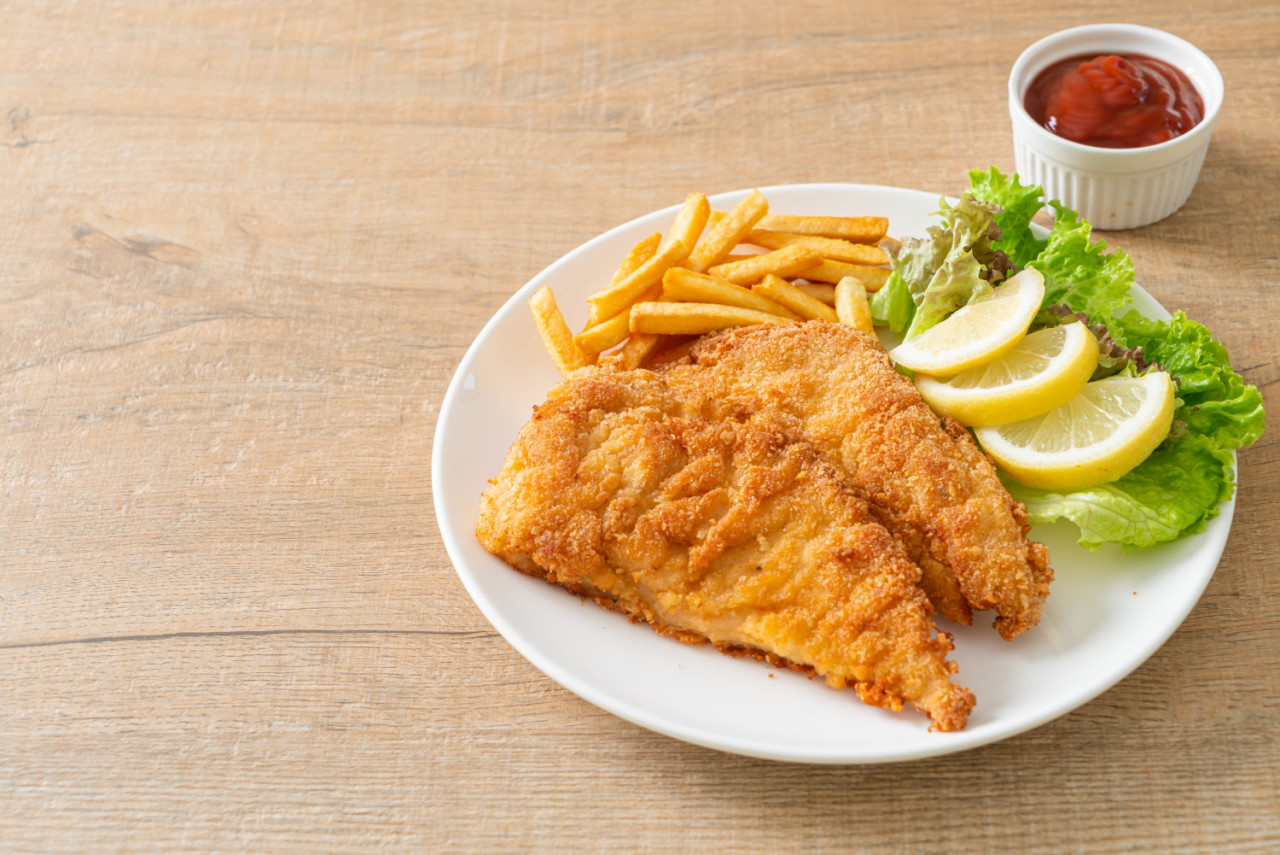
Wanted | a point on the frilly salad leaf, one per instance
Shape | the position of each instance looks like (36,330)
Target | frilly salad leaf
(952,266)
(892,305)
(1216,402)
(1113,357)
(1175,492)
(1177,489)
(954,284)
(1018,206)
(1078,271)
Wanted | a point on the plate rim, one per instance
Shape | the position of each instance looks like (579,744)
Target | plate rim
(1217,533)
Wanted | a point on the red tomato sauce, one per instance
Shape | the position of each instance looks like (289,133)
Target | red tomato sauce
(1111,101)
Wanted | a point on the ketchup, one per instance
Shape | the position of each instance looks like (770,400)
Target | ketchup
(1112,101)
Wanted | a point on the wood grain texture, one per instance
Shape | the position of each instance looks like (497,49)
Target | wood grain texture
(242,249)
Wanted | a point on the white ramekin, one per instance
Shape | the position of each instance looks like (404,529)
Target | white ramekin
(1113,188)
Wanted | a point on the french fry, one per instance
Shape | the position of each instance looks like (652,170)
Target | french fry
(721,238)
(782,291)
(788,261)
(556,337)
(614,331)
(604,335)
(851,305)
(690,220)
(820,291)
(856,229)
(740,256)
(694,318)
(638,349)
(599,337)
(639,254)
(698,279)
(619,296)
(833,248)
(872,278)
(681,284)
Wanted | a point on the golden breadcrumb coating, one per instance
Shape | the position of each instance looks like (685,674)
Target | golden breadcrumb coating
(740,533)
(925,477)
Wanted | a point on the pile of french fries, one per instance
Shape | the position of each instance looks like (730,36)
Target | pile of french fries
(715,270)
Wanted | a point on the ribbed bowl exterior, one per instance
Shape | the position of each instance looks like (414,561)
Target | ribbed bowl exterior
(1111,201)
(1113,188)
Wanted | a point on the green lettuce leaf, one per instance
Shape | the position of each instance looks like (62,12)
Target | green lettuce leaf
(892,305)
(917,259)
(1078,271)
(1178,488)
(1216,402)
(956,283)
(950,267)
(1018,205)
(1173,493)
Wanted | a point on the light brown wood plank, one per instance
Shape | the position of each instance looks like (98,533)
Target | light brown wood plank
(242,249)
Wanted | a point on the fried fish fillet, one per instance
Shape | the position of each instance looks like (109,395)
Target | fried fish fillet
(930,483)
(732,532)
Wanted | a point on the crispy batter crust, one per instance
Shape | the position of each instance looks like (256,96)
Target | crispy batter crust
(927,480)
(739,533)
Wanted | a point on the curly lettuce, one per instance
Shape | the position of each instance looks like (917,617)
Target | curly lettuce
(1173,493)
(892,305)
(1078,271)
(953,265)
(1178,488)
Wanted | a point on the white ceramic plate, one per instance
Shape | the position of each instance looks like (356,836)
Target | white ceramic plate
(1107,613)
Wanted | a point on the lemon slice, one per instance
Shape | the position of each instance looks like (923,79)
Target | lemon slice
(979,332)
(1044,370)
(1100,434)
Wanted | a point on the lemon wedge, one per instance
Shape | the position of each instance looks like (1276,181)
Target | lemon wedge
(1099,435)
(1044,370)
(980,332)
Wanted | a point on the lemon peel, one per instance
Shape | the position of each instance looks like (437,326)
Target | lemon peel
(1043,370)
(1108,428)
(977,333)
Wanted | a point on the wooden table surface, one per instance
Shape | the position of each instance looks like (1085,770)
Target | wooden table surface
(242,249)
